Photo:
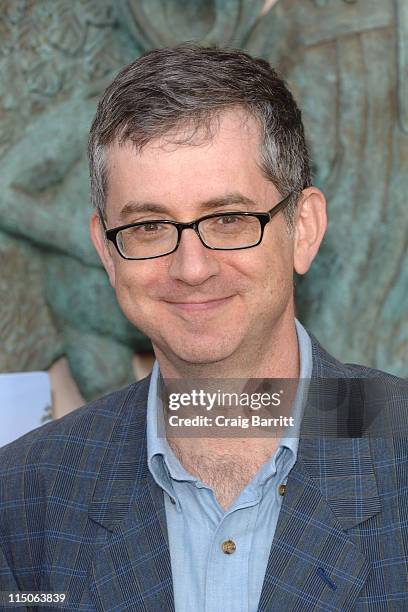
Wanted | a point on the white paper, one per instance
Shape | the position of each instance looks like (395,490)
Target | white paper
(25,400)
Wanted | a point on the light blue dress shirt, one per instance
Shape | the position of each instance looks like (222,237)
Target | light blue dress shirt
(204,577)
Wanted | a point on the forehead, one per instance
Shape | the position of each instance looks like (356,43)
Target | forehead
(196,170)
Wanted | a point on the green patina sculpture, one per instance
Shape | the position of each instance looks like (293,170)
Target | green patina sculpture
(346,61)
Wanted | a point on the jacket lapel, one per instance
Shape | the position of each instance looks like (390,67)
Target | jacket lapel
(312,559)
(131,569)
(331,489)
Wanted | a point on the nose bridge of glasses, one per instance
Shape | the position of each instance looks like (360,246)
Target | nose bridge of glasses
(194,226)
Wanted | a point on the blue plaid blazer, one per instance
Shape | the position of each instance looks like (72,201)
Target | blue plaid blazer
(80,514)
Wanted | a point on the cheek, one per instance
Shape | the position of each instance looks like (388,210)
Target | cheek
(275,272)
(132,284)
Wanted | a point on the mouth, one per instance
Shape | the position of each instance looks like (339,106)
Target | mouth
(199,306)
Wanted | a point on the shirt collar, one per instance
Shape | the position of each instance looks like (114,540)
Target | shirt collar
(291,438)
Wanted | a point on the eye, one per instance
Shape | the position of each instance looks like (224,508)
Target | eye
(230,219)
(149,227)
(149,230)
(227,223)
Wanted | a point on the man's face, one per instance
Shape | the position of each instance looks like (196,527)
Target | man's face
(198,305)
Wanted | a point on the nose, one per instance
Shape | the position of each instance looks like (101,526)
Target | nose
(192,262)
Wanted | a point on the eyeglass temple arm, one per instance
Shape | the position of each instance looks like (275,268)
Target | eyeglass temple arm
(281,205)
(102,220)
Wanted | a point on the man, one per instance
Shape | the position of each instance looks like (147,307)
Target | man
(203,208)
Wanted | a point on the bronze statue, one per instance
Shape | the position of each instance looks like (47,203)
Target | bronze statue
(347,62)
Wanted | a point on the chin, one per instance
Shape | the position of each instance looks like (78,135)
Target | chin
(202,351)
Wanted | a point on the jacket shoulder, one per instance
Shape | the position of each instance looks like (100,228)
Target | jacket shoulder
(327,366)
(357,370)
(47,482)
(79,437)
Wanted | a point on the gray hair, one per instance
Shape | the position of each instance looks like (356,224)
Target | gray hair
(188,86)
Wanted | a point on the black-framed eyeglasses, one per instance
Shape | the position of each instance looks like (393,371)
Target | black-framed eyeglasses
(225,231)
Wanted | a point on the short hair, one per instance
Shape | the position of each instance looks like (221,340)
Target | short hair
(188,86)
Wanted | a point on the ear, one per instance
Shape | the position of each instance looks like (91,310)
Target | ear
(310,227)
(102,246)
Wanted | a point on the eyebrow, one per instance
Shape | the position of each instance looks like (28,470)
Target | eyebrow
(133,207)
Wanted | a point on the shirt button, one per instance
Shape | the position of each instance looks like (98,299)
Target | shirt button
(228,547)
(281,489)
(173,501)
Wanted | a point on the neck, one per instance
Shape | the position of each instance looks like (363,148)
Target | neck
(228,470)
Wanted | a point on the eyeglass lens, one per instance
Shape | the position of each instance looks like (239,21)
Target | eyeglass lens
(223,232)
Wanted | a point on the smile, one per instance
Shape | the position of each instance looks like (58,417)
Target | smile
(199,306)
